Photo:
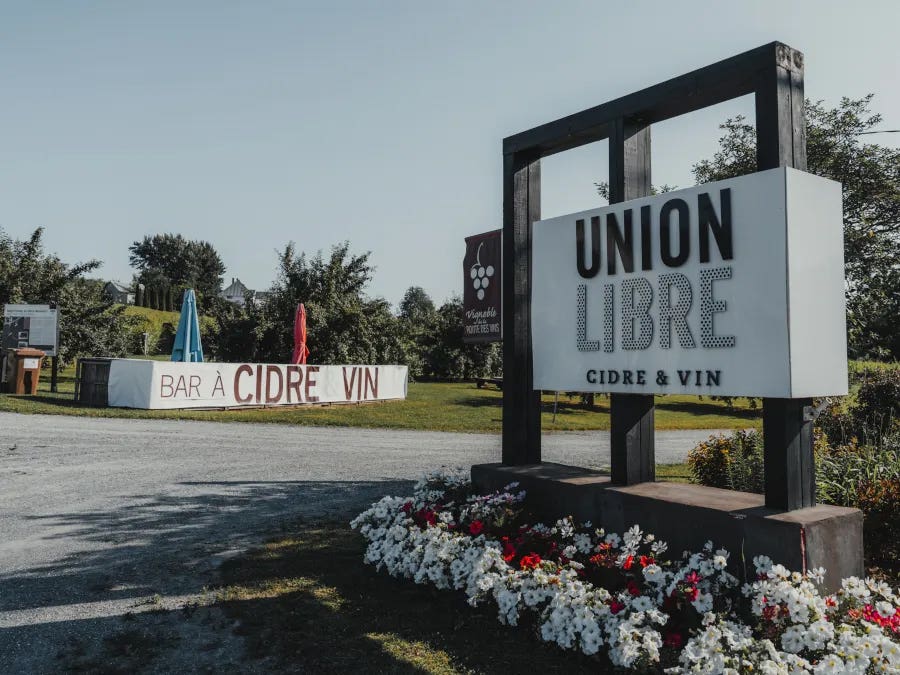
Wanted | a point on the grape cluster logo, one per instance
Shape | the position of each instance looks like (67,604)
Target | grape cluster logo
(480,275)
(481,288)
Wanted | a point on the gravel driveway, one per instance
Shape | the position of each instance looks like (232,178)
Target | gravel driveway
(108,526)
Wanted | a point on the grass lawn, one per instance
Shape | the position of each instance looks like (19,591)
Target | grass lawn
(437,406)
(307,601)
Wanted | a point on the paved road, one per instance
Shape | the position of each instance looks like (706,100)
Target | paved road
(101,518)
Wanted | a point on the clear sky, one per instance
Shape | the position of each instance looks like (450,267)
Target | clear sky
(251,124)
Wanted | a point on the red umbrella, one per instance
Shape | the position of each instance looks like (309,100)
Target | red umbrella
(301,351)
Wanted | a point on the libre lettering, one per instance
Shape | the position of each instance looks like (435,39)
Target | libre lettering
(646,312)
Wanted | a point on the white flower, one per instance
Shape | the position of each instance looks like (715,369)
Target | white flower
(829,665)
(792,639)
(633,535)
(762,563)
(641,604)
(575,614)
(654,574)
(779,572)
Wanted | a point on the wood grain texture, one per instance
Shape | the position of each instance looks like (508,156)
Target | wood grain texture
(521,404)
(790,478)
(632,450)
(716,83)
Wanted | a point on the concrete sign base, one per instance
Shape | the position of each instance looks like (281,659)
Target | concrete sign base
(686,516)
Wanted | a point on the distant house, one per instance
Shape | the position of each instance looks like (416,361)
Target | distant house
(236,292)
(118,293)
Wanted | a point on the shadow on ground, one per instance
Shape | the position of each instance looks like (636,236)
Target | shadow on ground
(307,602)
(158,545)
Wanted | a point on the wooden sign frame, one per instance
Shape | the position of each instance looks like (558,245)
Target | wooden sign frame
(774,74)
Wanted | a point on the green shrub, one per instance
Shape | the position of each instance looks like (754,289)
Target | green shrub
(879,501)
(160,327)
(841,472)
(877,408)
(734,462)
(871,415)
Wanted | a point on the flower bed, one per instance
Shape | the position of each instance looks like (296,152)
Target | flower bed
(583,588)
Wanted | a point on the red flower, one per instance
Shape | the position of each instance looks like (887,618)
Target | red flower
(646,560)
(407,507)
(693,578)
(427,515)
(615,606)
(509,551)
(673,639)
(629,561)
(633,588)
(691,593)
(529,562)
(475,527)
(891,622)
(769,612)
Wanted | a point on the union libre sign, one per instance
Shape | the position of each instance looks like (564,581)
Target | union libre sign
(732,288)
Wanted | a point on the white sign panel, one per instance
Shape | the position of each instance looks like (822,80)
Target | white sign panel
(734,288)
(161,385)
(30,326)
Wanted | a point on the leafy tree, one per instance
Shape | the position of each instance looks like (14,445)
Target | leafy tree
(418,322)
(171,263)
(416,305)
(448,357)
(870,176)
(344,326)
(89,325)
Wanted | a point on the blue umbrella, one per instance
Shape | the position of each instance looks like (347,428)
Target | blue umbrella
(187,337)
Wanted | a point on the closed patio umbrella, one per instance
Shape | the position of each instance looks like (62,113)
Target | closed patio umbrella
(301,351)
(187,337)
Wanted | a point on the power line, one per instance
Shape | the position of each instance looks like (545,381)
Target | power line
(881,131)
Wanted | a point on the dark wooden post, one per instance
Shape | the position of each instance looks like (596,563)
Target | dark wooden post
(790,475)
(632,455)
(54,373)
(521,404)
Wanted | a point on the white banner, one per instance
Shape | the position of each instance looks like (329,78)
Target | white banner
(156,385)
(734,288)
